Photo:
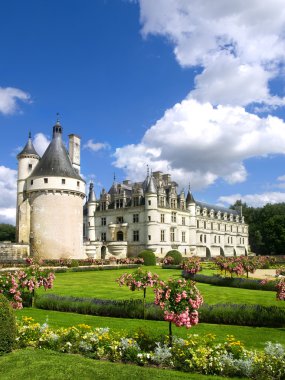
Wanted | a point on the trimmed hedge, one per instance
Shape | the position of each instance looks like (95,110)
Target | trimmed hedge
(7,326)
(237,282)
(148,257)
(176,255)
(228,314)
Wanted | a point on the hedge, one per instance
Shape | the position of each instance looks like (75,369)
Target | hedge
(176,255)
(7,326)
(149,257)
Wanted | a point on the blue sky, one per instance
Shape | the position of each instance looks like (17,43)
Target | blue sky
(194,89)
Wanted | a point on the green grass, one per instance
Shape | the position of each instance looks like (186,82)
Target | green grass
(252,337)
(37,364)
(102,284)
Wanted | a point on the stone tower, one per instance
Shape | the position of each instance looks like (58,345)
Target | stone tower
(55,193)
(28,159)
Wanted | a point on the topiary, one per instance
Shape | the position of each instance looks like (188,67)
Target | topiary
(176,255)
(148,257)
(7,326)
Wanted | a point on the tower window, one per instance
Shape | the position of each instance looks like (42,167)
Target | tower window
(103,236)
(135,218)
(162,235)
(183,220)
(136,236)
(78,183)
(63,181)
(32,181)
(30,166)
(161,218)
(103,221)
(149,218)
(45,180)
(149,203)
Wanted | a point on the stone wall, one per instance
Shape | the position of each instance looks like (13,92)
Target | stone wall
(13,251)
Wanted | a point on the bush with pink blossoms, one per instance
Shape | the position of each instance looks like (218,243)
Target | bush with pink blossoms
(9,287)
(180,300)
(281,290)
(139,280)
(192,265)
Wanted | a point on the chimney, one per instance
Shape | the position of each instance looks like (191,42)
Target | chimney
(74,151)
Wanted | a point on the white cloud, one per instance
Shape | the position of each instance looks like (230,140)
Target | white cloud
(240,45)
(8,190)
(9,97)
(41,142)
(255,200)
(95,147)
(199,142)
(281,178)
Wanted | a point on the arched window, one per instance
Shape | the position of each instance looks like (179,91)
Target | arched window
(120,236)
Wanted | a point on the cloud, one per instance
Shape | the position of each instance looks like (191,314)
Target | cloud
(41,142)
(255,200)
(201,143)
(95,147)
(9,98)
(281,178)
(236,43)
(8,191)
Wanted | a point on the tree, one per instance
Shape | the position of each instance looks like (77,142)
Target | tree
(7,232)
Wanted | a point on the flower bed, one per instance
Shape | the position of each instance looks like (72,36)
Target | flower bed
(196,354)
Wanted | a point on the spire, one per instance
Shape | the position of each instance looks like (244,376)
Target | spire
(189,198)
(28,149)
(57,129)
(151,186)
(91,195)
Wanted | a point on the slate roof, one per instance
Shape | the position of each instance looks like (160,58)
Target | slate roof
(28,149)
(55,161)
(217,208)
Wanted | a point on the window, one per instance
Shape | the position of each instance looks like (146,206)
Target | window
(162,218)
(231,228)
(149,202)
(173,217)
(45,180)
(63,181)
(149,237)
(173,203)
(103,236)
(136,236)
(183,237)
(212,225)
(197,223)
(119,203)
(205,238)
(219,239)
(219,226)
(30,166)
(162,235)
(215,239)
(149,218)
(205,225)
(172,234)
(103,221)
(120,219)
(135,218)
(136,201)
(103,206)
(162,203)
(78,183)
(183,220)
(32,181)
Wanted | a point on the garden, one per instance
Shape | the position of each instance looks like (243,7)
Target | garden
(181,318)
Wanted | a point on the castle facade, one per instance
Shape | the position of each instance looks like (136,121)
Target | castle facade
(54,221)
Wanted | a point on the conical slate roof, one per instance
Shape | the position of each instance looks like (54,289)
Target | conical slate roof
(55,161)
(28,149)
(189,198)
(91,195)
(149,185)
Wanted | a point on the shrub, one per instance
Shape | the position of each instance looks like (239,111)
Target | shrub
(7,326)
(176,255)
(148,257)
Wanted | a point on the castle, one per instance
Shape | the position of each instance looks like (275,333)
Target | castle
(130,217)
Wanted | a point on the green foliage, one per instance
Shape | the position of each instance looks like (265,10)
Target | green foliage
(244,283)
(7,326)
(176,255)
(266,227)
(7,232)
(148,257)
(242,315)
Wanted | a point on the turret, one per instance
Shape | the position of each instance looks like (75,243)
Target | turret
(91,208)
(28,159)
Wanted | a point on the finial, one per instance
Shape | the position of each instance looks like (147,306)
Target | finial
(189,187)
(57,117)
(114,177)
(30,135)
(147,170)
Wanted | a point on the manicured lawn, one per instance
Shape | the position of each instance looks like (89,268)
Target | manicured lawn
(37,364)
(252,337)
(102,284)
